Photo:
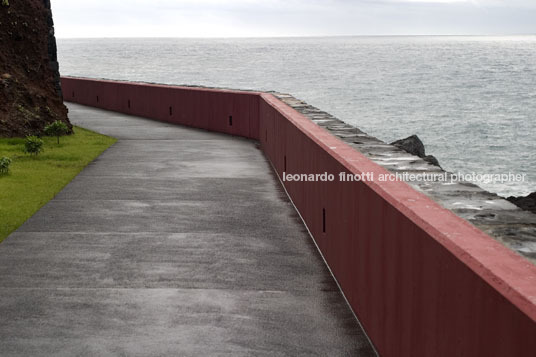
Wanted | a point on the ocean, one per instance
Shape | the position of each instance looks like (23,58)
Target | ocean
(472,100)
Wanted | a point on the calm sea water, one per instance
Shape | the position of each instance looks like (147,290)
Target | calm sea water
(472,100)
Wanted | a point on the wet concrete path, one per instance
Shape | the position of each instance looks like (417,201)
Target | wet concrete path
(175,241)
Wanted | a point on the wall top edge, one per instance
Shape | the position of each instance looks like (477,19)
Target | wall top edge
(160,85)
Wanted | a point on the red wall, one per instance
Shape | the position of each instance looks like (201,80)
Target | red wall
(198,107)
(422,281)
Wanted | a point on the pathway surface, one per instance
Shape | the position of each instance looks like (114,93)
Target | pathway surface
(175,241)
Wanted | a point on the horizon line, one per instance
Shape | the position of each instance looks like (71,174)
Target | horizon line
(296,36)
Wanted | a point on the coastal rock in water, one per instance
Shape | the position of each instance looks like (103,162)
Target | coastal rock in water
(431,159)
(527,203)
(413,145)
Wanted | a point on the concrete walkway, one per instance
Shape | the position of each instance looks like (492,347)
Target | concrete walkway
(174,242)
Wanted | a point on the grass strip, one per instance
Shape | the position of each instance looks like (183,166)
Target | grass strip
(32,181)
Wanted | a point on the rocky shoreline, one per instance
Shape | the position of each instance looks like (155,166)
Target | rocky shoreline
(414,146)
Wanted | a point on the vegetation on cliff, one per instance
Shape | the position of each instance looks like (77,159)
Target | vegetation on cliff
(30,95)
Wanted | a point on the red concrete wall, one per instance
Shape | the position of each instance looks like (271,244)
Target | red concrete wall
(422,281)
(197,107)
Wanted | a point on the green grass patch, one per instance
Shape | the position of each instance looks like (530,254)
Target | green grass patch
(32,181)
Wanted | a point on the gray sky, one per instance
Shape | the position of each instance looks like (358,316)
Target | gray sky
(256,18)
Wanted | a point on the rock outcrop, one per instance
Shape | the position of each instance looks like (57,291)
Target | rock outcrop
(30,91)
(528,203)
(414,146)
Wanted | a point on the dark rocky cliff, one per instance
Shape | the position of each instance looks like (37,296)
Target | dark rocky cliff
(30,91)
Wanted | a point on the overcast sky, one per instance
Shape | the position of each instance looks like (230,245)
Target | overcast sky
(256,18)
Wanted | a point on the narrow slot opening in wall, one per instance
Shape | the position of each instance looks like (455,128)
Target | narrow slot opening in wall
(323,220)
(285,164)
(97,99)
(170,111)
(129,104)
(230,120)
